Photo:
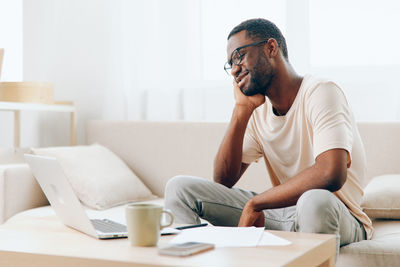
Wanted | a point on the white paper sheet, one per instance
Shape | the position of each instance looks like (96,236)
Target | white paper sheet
(269,239)
(222,236)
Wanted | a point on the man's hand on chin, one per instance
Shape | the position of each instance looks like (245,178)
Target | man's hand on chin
(249,102)
(250,217)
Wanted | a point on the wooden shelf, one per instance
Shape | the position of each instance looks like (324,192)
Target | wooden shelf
(11,106)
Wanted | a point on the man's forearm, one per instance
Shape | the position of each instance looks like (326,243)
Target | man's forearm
(284,195)
(329,172)
(227,163)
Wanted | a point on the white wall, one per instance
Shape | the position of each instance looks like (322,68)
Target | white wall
(153,59)
(356,44)
(11,39)
(73,45)
(163,59)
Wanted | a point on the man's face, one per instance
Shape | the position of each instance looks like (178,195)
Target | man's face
(254,73)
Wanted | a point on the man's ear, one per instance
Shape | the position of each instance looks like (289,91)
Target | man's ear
(271,49)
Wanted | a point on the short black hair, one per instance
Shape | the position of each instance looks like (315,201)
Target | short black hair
(262,29)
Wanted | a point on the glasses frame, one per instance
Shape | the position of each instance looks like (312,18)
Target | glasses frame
(228,64)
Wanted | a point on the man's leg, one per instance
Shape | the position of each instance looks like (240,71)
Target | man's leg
(317,211)
(320,211)
(191,198)
(282,219)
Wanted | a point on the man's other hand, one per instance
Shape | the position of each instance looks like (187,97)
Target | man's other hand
(250,217)
(249,102)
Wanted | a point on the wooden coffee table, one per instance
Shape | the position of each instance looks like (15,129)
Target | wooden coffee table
(47,242)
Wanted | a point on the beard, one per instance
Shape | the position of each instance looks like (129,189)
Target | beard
(261,77)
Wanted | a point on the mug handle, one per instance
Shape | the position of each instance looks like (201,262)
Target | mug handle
(171,219)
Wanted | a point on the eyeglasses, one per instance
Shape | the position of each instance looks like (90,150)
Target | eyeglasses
(236,57)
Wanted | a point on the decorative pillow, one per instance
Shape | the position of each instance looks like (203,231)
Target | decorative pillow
(99,178)
(382,197)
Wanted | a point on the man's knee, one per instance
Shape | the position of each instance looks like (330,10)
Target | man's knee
(182,187)
(316,200)
(180,198)
(316,212)
(176,185)
(173,184)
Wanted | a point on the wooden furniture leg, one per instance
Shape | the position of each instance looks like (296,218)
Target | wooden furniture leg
(17,128)
(329,262)
(73,129)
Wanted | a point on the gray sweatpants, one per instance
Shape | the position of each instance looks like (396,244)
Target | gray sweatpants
(317,211)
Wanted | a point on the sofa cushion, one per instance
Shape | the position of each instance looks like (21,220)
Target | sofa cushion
(382,250)
(19,190)
(99,178)
(382,197)
(12,155)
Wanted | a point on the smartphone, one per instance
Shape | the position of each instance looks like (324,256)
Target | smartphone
(185,249)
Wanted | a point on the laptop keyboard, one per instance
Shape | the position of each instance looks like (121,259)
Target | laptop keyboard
(107,226)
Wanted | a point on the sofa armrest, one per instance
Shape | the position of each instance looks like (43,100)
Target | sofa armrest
(19,190)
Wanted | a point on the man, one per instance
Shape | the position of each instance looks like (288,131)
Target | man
(307,135)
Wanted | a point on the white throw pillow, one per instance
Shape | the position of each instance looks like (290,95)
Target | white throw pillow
(382,197)
(99,178)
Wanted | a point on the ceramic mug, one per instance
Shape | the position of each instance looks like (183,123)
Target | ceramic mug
(144,223)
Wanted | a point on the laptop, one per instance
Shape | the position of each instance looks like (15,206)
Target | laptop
(58,190)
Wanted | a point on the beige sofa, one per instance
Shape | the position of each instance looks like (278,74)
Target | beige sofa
(157,151)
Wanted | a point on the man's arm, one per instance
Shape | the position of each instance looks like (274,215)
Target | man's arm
(329,172)
(228,166)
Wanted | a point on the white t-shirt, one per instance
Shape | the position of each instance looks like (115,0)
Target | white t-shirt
(318,120)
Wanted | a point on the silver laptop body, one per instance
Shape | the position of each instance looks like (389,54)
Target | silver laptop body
(54,183)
